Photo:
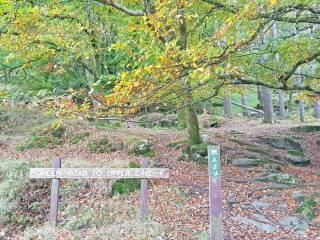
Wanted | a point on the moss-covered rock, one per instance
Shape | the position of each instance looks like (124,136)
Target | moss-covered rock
(282,178)
(196,152)
(307,129)
(247,163)
(285,143)
(297,157)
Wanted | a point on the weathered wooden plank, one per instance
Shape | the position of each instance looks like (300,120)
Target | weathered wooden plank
(215,195)
(112,173)
(53,216)
(144,195)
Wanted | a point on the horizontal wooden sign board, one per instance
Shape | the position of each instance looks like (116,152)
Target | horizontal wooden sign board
(113,173)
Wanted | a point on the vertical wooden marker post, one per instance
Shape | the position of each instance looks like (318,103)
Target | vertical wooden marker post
(215,196)
(56,163)
(144,194)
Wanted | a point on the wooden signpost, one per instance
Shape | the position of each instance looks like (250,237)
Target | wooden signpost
(215,195)
(56,173)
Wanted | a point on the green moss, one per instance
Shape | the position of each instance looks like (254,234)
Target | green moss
(307,208)
(296,153)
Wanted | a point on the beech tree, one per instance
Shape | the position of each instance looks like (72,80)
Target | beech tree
(180,52)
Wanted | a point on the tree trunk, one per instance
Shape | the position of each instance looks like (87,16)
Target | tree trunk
(244,100)
(282,108)
(227,107)
(301,110)
(317,110)
(193,126)
(182,119)
(266,101)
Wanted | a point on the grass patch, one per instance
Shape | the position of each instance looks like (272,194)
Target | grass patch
(108,125)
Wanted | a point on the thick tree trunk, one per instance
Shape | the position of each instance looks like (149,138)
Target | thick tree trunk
(282,108)
(301,110)
(227,107)
(244,100)
(317,110)
(193,126)
(266,101)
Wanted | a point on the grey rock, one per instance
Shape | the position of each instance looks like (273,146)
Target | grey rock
(297,158)
(196,157)
(260,218)
(307,129)
(295,223)
(283,178)
(298,196)
(246,163)
(261,204)
(281,207)
(262,226)
(285,143)
(272,167)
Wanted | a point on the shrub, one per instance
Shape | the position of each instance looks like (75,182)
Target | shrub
(78,137)
(14,182)
(35,141)
(125,186)
(101,145)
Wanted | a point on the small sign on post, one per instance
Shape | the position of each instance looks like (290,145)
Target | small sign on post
(215,195)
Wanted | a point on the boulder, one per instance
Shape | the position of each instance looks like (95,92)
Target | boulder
(272,167)
(295,223)
(298,196)
(260,225)
(197,153)
(258,204)
(307,129)
(246,162)
(297,158)
(285,143)
(282,178)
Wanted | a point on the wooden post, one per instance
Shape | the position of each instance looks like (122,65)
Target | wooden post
(215,195)
(144,194)
(56,163)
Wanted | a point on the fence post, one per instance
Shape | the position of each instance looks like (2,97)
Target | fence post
(144,194)
(56,163)
(215,195)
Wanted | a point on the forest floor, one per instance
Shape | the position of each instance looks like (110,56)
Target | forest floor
(178,205)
